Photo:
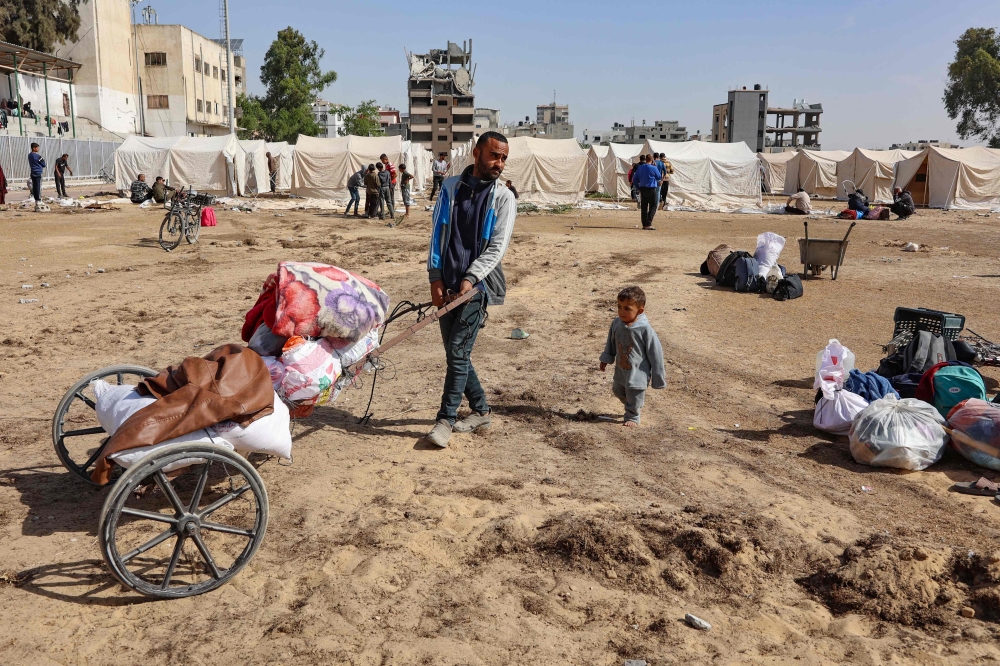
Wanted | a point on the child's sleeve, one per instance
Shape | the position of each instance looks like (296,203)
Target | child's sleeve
(654,352)
(609,347)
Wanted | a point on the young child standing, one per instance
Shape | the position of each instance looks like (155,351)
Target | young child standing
(635,350)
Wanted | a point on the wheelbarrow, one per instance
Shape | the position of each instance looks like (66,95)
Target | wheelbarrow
(817,253)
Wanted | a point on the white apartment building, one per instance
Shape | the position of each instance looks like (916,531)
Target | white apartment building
(330,124)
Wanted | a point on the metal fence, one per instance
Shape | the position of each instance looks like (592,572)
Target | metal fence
(89,160)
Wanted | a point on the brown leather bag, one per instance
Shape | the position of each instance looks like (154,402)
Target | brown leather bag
(716,257)
(229,384)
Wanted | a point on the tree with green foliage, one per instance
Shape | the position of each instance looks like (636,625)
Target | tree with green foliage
(39,24)
(973,92)
(293,78)
(362,120)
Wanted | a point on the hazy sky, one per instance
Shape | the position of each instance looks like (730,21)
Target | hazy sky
(879,68)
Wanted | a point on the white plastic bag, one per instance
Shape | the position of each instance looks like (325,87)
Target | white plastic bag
(906,434)
(116,403)
(836,410)
(129,457)
(353,353)
(769,247)
(833,364)
(269,434)
(311,368)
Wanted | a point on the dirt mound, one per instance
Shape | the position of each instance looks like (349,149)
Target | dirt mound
(911,584)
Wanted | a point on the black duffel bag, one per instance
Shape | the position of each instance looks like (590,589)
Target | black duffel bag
(788,288)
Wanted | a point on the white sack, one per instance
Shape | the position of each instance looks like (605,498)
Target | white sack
(836,410)
(270,434)
(769,247)
(833,364)
(906,434)
(116,403)
(129,457)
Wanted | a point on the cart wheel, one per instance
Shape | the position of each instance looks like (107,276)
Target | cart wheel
(76,434)
(174,538)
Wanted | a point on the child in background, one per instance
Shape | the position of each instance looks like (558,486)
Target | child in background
(404,188)
(635,350)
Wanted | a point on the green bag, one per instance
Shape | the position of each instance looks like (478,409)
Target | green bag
(955,383)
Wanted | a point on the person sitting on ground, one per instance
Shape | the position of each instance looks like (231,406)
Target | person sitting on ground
(140,190)
(798,203)
(27,112)
(634,348)
(161,192)
(902,203)
(857,200)
(510,186)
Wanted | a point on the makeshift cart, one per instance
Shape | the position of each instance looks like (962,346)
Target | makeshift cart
(187,517)
(817,253)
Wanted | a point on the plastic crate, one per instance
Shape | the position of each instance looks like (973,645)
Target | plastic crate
(202,199)
(920,319)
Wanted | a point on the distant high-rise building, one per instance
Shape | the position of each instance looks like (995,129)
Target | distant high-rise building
(442,106)
(330,123)
(803,130)
(556,114)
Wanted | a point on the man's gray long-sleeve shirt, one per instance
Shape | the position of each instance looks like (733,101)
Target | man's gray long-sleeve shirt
(636,352)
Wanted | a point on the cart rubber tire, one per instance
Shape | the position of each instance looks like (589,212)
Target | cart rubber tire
(59,435)
(188,520)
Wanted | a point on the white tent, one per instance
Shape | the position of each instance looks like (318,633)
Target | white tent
(284,153)
(595,163)
(615,169)
(418,162)
(547,171)
(967,178)
(815,171)
(711,175)
(870,170)
(322,166)
(774,165)
(214,164)
(256,177)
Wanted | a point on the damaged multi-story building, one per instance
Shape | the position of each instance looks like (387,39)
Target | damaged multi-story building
(442,106)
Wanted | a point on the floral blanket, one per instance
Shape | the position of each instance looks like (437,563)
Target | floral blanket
(319,301)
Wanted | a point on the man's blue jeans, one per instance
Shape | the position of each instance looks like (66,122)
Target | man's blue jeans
(355,199)
(459,329)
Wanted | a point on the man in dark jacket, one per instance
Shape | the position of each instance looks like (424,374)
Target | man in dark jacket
(472,225)
(37,166)
(353,183)
(902,203)
(646,178)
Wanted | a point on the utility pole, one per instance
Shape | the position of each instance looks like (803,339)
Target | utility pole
(229,71)
(138,81)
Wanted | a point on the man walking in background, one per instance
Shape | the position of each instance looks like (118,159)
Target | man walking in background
(439,168)
(272,170)
(647,179)
(37,165)
(59,172)
(668,170)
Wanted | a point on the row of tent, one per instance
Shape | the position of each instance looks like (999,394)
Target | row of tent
(706,175)
(226,165)
(549,171)
(962,178)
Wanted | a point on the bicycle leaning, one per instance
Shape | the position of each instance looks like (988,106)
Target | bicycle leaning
(183,219)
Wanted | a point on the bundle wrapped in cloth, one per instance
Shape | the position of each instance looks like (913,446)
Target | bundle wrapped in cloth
(310,322)
(975,432)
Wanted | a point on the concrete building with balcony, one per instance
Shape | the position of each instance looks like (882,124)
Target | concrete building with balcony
(603,137)
(330,122)
(442,105)
(184,81)
(794,128)
(720,120)
(744,118)
(486,120)
(556,114)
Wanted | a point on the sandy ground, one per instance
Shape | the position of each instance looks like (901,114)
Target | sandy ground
(555,537)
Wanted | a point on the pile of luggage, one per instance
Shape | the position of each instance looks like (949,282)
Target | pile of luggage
(925,394)
(755,273)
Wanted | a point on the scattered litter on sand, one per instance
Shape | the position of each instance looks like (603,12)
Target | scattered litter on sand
(911,247)
(25,301)
(600,205)
(519,334)
(697,622)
